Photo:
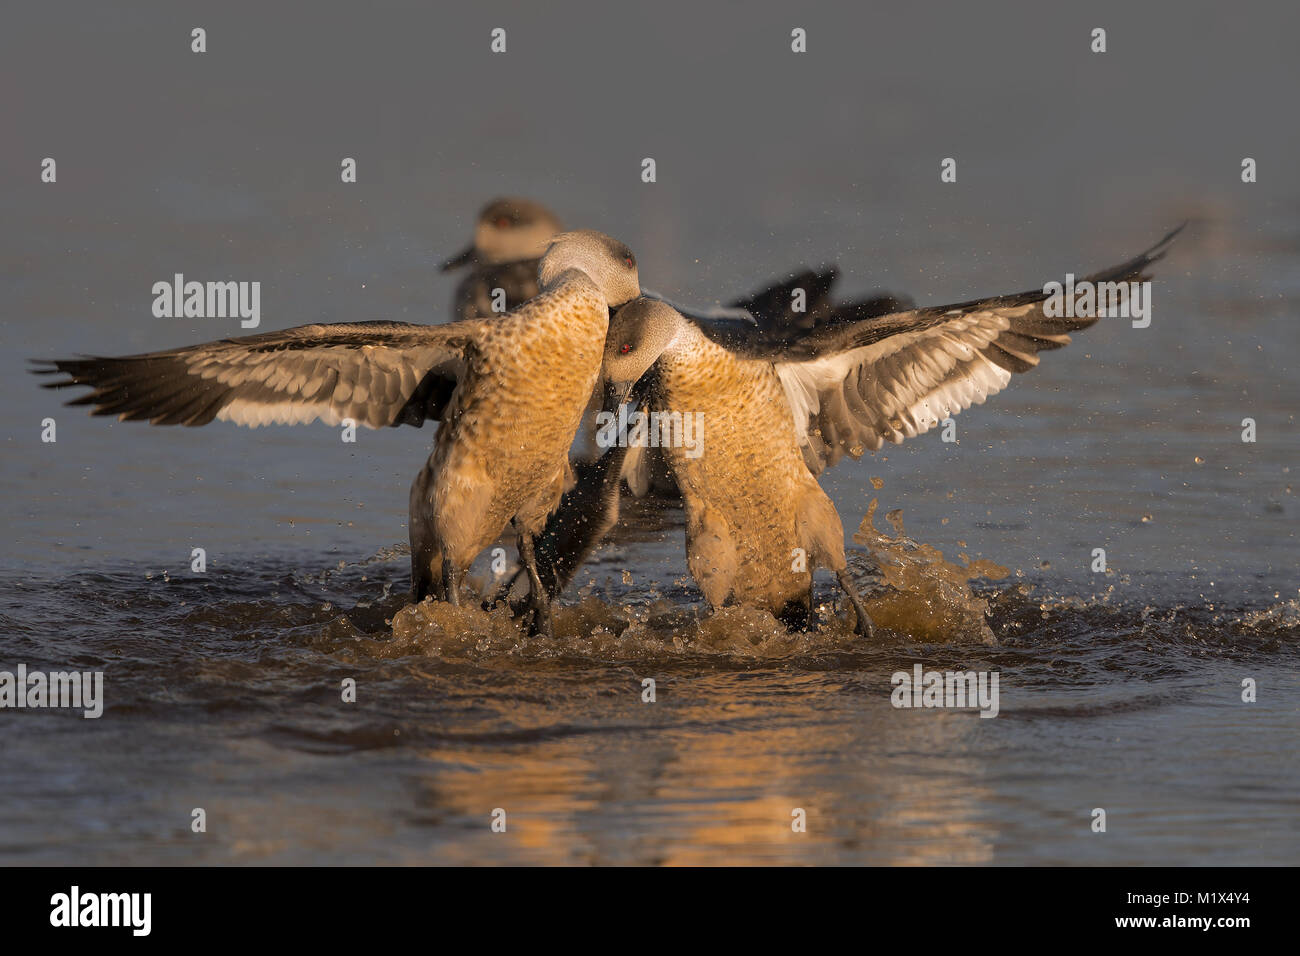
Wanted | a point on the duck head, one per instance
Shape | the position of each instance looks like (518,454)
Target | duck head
(509,229)
(639,333)
(606,261)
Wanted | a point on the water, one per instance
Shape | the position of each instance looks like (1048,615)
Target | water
(1119,690)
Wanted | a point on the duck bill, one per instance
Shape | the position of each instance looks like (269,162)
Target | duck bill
(706,313)
(462,258)
(637,393)
(617,394)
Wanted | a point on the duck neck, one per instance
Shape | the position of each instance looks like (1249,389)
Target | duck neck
(685,338)
(571,274)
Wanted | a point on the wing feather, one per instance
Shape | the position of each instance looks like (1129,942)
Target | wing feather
(854,387)
(377,373)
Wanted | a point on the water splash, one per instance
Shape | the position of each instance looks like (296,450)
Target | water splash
(911,589)
(660,630)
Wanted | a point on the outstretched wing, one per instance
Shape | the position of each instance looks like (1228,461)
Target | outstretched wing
(376,373)
(853,387)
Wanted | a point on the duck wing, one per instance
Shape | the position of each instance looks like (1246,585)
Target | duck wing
(375,373)
(854,385)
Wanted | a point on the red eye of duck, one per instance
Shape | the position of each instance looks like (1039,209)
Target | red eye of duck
(502,221)
(625,349)
(628,260)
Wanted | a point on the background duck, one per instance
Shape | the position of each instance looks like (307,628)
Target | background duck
(510,237)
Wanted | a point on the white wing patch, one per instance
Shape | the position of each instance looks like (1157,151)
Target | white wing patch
(802,383)
(978,382)
(899,387)
(256,414)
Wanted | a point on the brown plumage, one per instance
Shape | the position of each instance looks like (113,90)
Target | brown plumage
(509,393)
(758,523)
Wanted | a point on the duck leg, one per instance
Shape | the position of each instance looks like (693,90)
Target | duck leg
(814,622)
(862,626)
(541,623)
(451,579)
(421,584)
(428,573)
(587,512)
(427,577)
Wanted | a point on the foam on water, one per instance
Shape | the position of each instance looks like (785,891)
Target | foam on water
(913,593)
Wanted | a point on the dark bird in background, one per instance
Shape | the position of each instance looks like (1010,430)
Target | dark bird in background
(511,233)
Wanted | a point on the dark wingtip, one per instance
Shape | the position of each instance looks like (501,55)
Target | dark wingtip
(1158,251)
(68,367)
(1136,267)
(43,367)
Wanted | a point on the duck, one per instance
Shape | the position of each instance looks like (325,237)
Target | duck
(510,236)
(508,394)
(776,412)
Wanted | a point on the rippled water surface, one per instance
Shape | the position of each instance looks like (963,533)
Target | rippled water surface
(1119,690)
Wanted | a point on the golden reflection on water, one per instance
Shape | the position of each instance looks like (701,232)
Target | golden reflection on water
(713,771)
(684,797)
